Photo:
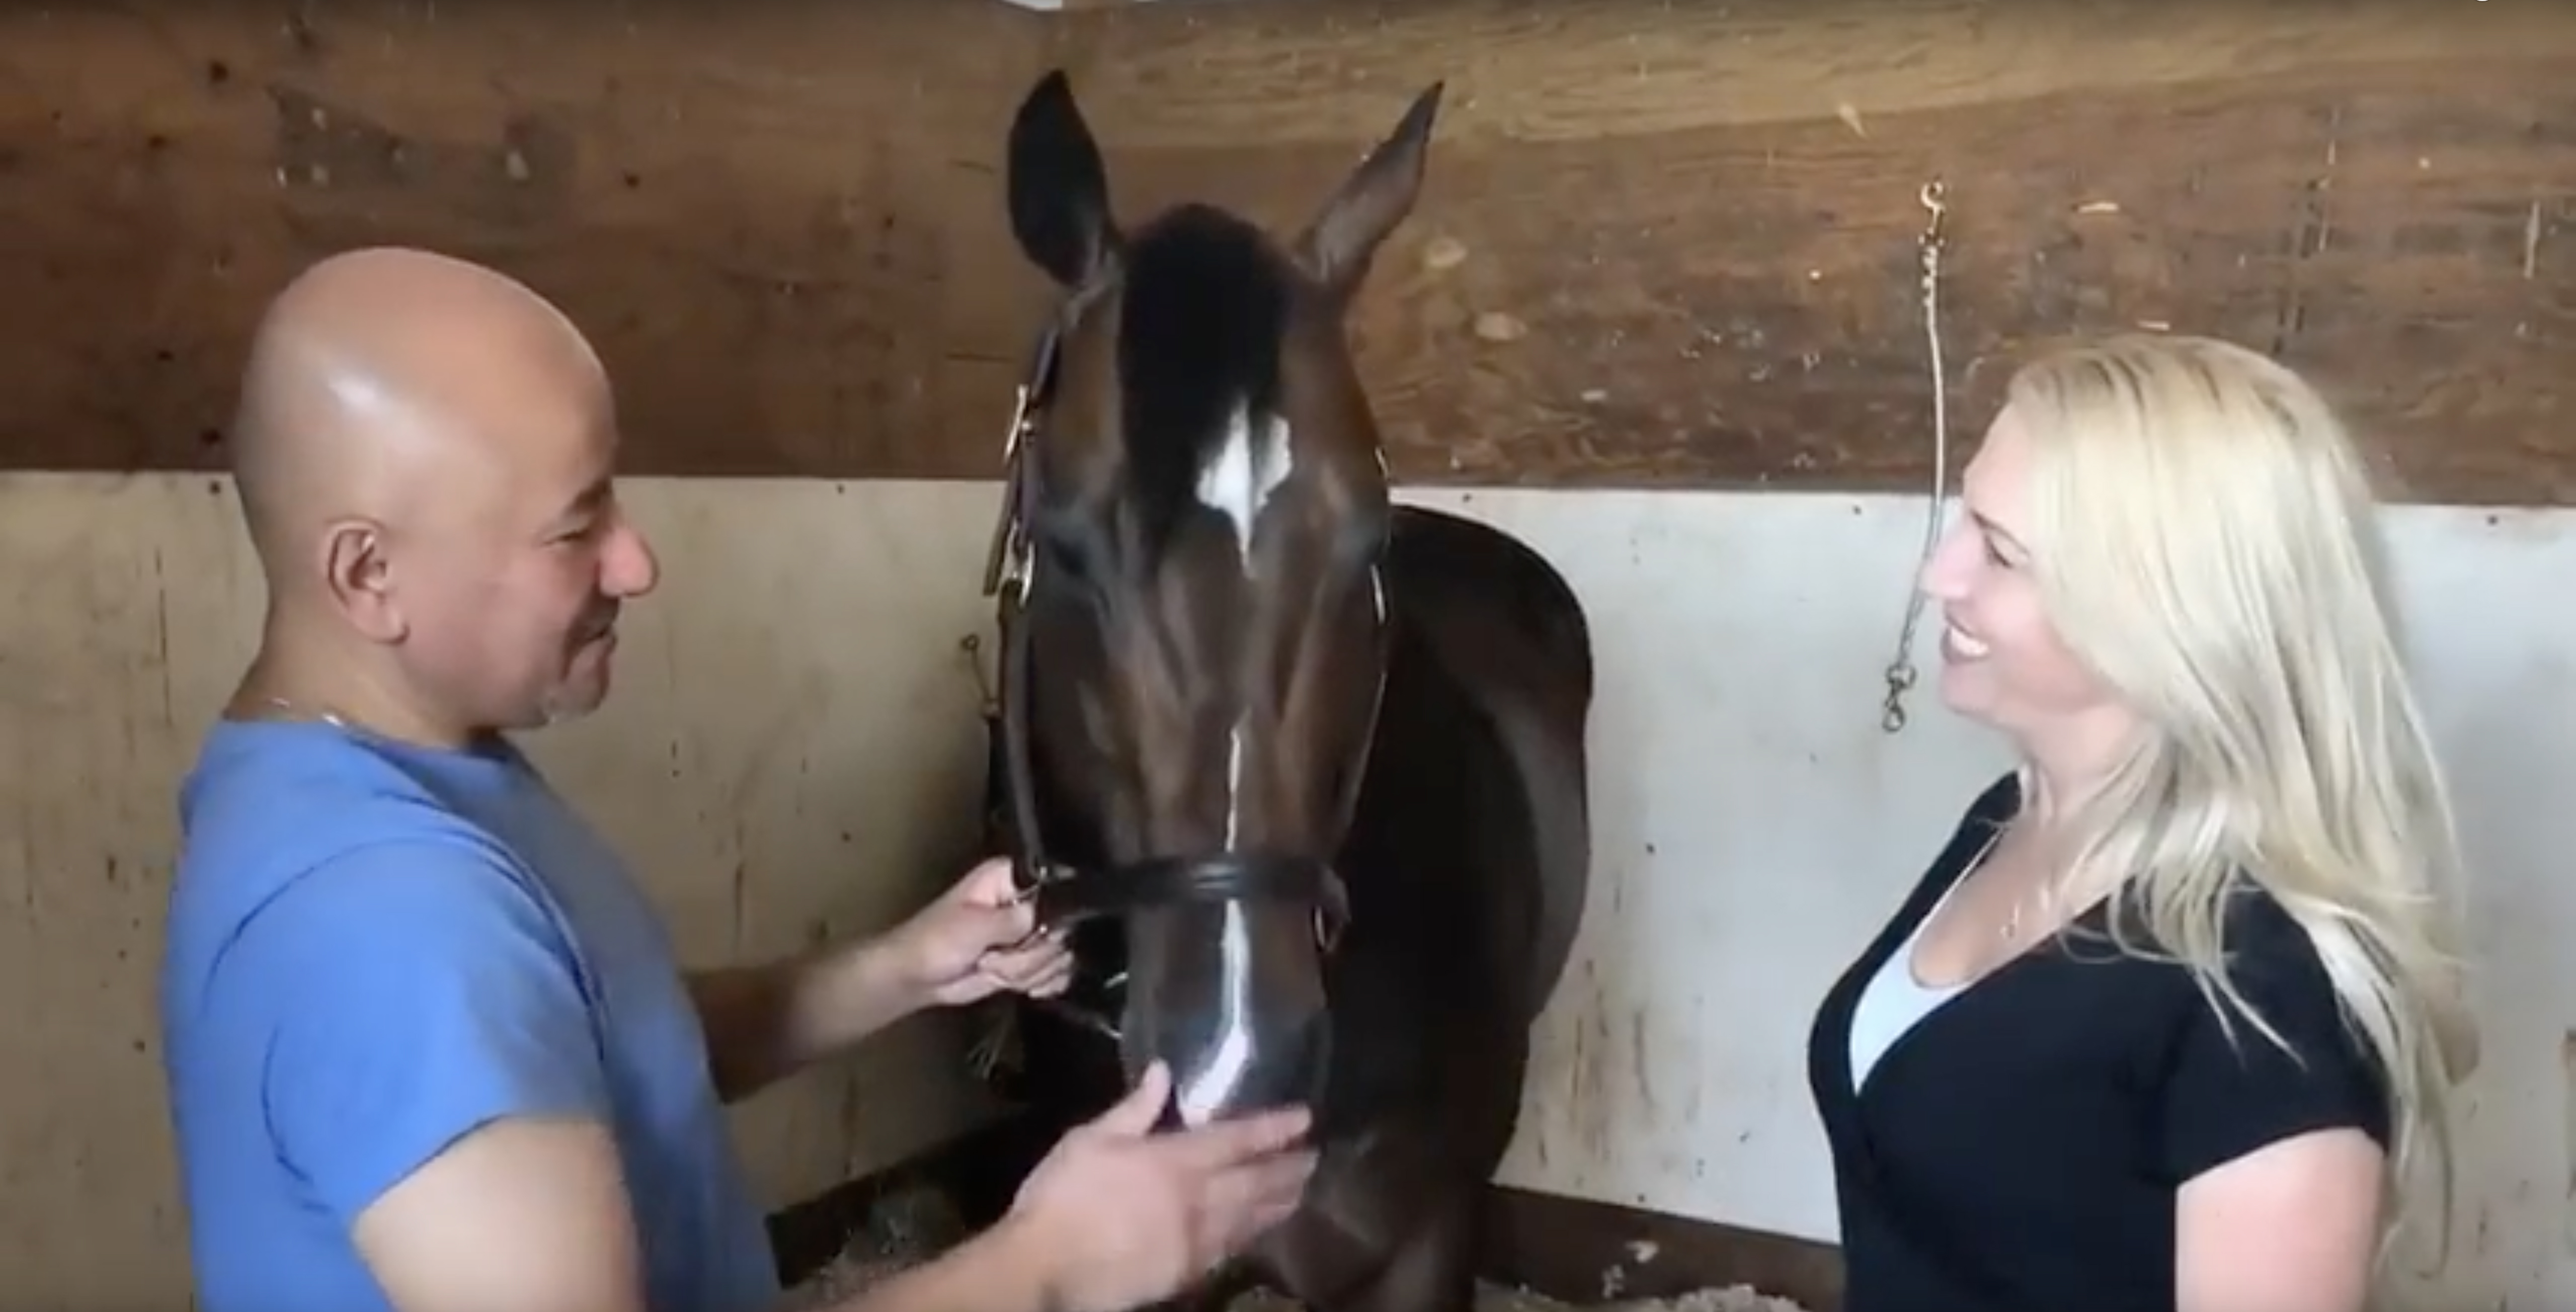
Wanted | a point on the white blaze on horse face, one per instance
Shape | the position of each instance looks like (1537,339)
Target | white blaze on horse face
(1219,1076)
(1239,478)
(1233,784)
(1246,468)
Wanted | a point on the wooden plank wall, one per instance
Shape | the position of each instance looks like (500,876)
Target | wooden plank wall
(780,221)
(1662,244)
(1689,232)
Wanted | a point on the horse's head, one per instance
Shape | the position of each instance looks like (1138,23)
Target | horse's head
(1202,626)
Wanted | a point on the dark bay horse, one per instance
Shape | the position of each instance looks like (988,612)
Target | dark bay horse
(1302,769)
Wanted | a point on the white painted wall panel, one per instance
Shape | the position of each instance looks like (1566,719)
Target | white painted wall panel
(792,705)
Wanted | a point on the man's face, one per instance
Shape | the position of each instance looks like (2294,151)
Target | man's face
(513,593)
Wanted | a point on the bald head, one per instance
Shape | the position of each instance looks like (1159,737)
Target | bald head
(390,385)
(424,450)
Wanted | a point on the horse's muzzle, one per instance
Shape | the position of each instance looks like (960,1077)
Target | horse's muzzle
(1236,1061)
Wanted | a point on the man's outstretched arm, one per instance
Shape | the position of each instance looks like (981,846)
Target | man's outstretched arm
(533,1216)
(764,1023)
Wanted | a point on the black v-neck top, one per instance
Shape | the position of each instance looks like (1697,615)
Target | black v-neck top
(2019,1149)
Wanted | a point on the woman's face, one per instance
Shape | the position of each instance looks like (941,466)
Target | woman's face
(2002,662)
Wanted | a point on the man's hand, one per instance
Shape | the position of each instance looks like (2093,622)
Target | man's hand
(979,939)
(1117,1216)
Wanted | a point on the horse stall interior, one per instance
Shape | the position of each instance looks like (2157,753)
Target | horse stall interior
(1660,310)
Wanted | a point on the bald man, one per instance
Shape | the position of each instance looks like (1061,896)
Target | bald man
(428,1048)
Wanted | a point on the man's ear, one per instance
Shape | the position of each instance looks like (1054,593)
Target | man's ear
(357,575)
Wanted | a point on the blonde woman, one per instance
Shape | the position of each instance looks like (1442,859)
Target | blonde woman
(2175,1007)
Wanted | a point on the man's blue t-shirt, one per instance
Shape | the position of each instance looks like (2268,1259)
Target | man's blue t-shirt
(374,949)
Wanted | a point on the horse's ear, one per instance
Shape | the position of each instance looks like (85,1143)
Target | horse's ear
(1059,192)
(1337,246)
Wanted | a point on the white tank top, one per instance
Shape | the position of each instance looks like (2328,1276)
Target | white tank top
(1894,1001)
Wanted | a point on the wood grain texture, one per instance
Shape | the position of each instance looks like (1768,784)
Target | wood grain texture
(1666,245)
(1661,244)
(777,221)
(1231,72)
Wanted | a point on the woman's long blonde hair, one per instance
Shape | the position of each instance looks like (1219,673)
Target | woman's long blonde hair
(2205,539)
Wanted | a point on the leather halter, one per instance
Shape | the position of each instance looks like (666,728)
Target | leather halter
(1065,894)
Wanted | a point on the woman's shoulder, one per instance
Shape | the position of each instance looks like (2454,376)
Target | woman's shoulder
(2273,983)
(2275,962)
(2261,945)
(2282,1056)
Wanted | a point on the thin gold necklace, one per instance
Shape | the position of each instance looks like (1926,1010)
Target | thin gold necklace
(2010,930)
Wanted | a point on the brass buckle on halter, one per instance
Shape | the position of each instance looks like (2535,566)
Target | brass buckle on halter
(1006,561)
